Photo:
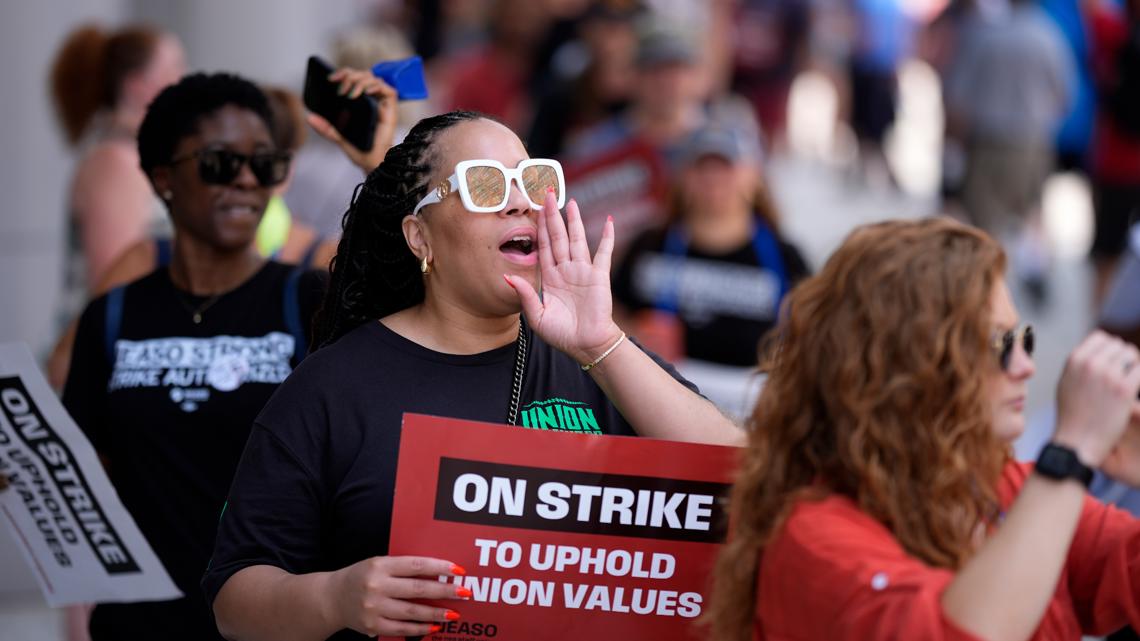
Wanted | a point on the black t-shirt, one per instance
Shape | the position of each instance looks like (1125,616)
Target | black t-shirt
(313,491)
(726,302)
(171,413)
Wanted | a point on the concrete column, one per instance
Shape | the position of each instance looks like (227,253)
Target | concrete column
(36,167)
(34,175)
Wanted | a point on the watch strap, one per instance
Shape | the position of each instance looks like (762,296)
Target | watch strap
(1062,463)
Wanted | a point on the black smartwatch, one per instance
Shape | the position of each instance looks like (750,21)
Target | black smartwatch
(1061,463)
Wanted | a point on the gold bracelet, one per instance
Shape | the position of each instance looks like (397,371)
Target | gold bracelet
(589,366)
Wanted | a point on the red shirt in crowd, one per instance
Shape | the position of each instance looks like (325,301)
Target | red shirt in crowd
(833,572)
(1116,154)
(490,82)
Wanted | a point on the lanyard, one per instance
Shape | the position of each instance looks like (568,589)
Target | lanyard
(764,244)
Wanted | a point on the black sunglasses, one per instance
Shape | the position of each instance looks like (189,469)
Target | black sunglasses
(221,166)
(1003,345)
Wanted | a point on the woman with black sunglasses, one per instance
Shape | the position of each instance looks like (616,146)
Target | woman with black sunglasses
(878,498)
(170,370)
(444,248)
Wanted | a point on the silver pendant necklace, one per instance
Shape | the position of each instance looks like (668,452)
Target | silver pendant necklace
(520,367)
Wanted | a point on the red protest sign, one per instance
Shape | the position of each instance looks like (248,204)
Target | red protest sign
(563,535)
(628,182)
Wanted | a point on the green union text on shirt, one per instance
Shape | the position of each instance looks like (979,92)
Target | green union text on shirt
(560,414)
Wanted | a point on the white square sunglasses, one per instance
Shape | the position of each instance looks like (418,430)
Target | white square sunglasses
(485,185)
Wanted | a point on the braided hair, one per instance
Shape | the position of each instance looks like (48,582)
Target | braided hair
(375,273)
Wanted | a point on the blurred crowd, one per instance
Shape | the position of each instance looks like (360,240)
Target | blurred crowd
(666,115)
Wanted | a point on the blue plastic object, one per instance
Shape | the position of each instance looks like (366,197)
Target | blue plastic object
(405,76)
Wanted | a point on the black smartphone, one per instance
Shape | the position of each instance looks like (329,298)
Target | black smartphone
(354,118)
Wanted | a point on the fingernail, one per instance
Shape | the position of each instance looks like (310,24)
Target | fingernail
(457,569)
(550,190)
(451,615)
(463,593)
(609,219)
(434,629)
(508,279)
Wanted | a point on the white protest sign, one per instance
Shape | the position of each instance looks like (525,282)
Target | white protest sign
(78,539)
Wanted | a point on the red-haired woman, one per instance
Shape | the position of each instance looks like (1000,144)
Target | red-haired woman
(877,498)
(102,82)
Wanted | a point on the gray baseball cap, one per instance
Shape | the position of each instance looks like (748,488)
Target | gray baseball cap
(714,140)
(662,46)
(614,10)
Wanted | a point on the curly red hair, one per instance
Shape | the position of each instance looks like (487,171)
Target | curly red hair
(875,392)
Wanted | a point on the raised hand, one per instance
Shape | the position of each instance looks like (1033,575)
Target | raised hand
(353,84)
(1096,396)
(575,313)
(373,596)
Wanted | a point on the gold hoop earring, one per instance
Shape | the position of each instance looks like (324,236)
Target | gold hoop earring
(425,266)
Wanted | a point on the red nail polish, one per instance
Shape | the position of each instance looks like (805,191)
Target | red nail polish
(434,629)
(463,593)
(451,615)
(609,219)
(550,190)
(508,279)
(458,570)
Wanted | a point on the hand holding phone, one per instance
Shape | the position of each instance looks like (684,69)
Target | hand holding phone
(353,113)
(352,108)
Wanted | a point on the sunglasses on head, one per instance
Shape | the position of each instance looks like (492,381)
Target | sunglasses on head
(221,166)
(484,186)
(1003,344)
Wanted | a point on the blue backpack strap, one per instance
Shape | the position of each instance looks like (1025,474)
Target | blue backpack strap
(311,253)
(292,312)
(764,244)
(113,321)
(163,252)
(674,249)
(767,249)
